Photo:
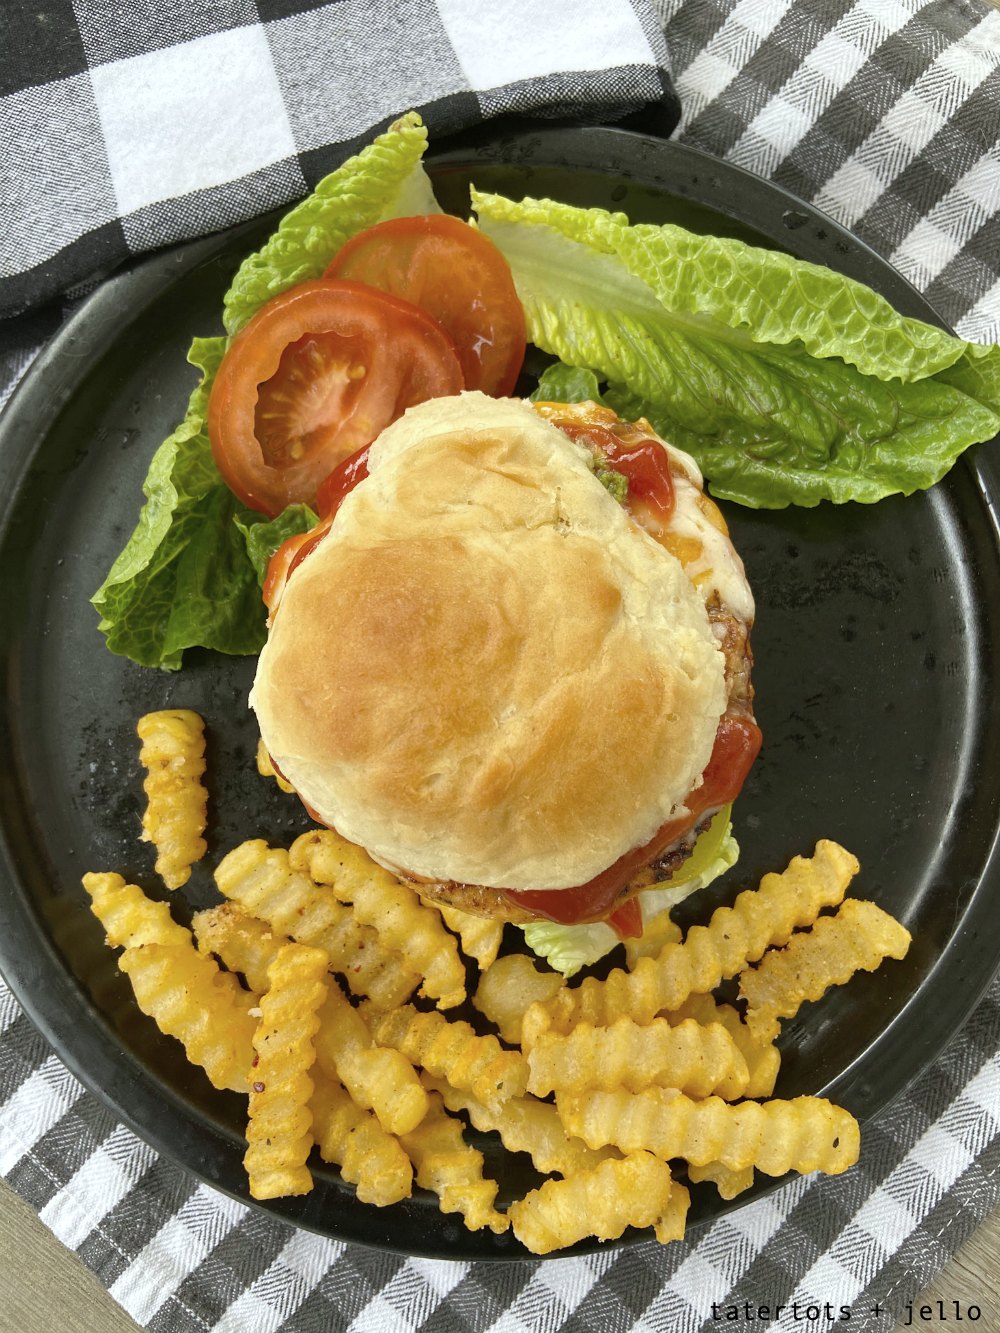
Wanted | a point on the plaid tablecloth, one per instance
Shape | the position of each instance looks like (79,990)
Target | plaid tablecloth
(122,130)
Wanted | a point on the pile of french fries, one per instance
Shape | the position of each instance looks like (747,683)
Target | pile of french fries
(323,988)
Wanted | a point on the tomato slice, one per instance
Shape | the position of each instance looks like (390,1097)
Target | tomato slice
(342,480)
(317,374)
(330,495)
(626,920)
(459,277)
(289,555)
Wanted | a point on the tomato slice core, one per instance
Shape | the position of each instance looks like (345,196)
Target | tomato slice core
(317,374)
(313,393)
(459,277)
(737,744)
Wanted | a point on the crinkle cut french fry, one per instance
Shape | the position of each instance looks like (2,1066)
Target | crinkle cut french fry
(452,1050)
(267,770)
(279,1127)
(524,1125)
(393,909)
(480,936)
(261,880)
(628,1191)
(129,918)
(656,933)
(190,999)
(173,753)
(387,1080)
(694,1059)
(447,1165)
(507,990)
(379,1079)
(538,1019)
(351,1137)
(763,1060)
(729,1183)
(671,1223)
(243,942)
(759,919)
(858,938)
(804,1134)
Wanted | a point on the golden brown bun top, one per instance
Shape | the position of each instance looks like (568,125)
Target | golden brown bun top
(486,672)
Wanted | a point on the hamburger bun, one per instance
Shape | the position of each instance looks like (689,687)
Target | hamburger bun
(486,673)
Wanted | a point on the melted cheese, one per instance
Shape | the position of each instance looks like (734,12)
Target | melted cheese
(696,532)
(719,568)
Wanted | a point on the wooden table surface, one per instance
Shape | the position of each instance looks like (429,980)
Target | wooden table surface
(45,1288)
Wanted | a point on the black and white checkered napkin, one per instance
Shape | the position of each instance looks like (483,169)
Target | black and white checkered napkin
(884,112)
(131,126)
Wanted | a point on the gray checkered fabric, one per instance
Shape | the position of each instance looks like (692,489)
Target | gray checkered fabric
(883,113)
(886,113)
(128,127)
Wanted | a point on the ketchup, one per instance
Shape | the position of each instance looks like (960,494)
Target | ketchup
(645,466)
(342,480)
(737,743)
(626,920)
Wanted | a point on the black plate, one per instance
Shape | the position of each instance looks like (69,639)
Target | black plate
(876,669)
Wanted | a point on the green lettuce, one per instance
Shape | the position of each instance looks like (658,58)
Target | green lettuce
(183,578)
(385,180)
(569,948)
(788,383)
(977,374)
(191,572)
(764,295)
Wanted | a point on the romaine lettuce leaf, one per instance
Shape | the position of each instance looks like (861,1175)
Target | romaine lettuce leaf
(569,948)
(765,296)
(861,443)
(770,424)
(385,180)
(264,536)
(191,572)
(566,384)
(183,578)
(977,374)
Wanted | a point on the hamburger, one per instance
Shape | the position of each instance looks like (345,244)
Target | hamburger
(515,667)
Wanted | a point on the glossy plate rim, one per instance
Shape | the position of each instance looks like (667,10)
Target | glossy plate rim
(54,1000)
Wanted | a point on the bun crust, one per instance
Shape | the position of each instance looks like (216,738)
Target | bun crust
(486,673)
